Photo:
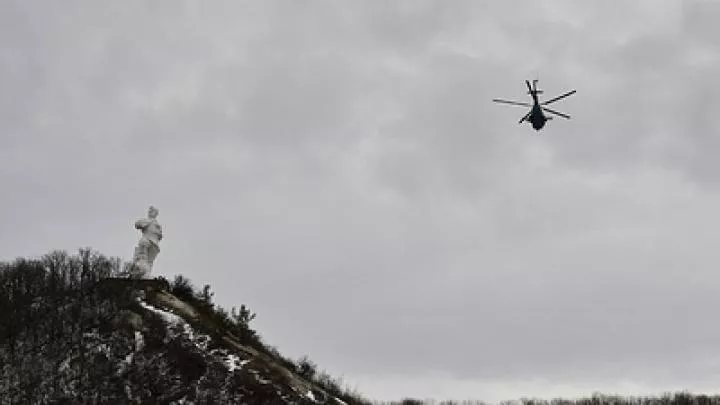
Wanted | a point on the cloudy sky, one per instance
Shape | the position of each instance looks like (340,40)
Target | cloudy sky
(338,166)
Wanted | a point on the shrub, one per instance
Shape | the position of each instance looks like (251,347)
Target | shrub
(183,288)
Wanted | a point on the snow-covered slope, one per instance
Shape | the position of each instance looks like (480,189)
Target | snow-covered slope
(94,340)
(258,372)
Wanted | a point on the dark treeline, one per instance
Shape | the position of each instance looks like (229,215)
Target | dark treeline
(48,309)
(679,398)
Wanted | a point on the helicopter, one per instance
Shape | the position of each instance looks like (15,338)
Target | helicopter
(537,116)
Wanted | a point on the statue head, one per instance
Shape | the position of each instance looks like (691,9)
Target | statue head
(153,212)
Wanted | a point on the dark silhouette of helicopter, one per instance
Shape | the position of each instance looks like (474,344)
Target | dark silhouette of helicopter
(536,116)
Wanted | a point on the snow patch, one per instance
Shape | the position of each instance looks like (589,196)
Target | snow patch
(200,341)
(65,364)
(167,316)
(125,363)
(91,335)
(262,380)
(233,362)
(340,401)
(182,401)
(104,349)
(310,395)
(139,341)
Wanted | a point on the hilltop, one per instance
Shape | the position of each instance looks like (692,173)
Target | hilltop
(73,330)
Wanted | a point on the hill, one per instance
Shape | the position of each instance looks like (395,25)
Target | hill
(74,331)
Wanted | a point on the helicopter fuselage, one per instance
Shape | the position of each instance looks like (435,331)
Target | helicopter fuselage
(537,118)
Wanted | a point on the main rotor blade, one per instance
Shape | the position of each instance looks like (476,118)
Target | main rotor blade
(555,112)
(558,98)
(497,100)
(524,118)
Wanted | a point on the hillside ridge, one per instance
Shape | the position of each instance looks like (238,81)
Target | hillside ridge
(157,294)
(75,330)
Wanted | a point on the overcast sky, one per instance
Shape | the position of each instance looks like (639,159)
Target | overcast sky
(339,167)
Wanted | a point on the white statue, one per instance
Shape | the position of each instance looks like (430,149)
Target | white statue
(149,245)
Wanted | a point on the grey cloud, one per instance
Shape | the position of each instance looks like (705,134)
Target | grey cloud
(339,167)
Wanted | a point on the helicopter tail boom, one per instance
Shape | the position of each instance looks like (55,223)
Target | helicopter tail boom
(533,90)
